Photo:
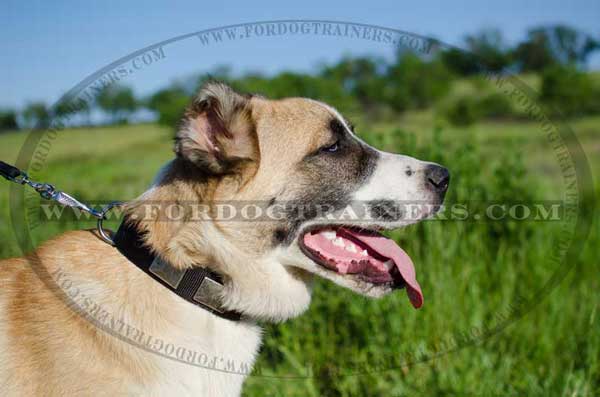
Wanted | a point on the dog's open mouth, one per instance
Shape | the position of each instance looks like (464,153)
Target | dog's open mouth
(366,254)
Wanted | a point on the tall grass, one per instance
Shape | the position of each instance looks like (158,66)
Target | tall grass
(470,271)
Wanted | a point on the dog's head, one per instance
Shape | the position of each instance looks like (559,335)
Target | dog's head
(291,192)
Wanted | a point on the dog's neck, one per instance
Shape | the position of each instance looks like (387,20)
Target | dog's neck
(258,287)
(205,353)
(199,285)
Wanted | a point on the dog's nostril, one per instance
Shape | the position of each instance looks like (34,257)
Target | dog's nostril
(438,177)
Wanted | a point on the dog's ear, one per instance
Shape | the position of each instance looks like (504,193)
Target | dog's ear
(217,130)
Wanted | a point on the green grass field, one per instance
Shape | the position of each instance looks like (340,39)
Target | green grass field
(470,272)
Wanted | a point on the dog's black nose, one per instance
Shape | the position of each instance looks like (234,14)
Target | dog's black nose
(437,178)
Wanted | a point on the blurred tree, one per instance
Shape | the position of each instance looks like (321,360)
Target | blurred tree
(169,104)
(63,109)
(547,46)
(221,73)
(534,53)
(361,77)
(37,115)
(487,51)
(85,112)
(68,108)
(291,84)
(489,47)
(414,83)
(570,46)
(460,62)
(8,120)
(117,101)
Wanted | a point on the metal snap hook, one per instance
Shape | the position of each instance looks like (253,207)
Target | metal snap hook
(107,239)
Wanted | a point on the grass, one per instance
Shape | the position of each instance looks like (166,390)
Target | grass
(470,271)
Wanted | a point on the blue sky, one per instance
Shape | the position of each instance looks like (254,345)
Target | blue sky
(48,47)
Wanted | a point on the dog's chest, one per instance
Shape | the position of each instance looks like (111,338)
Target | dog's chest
(206,356)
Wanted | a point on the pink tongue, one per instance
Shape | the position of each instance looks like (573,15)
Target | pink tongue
(388,248)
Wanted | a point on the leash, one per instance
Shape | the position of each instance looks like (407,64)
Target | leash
(49,192)
(199,285)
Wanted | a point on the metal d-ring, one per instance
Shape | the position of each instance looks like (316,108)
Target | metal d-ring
(100,227)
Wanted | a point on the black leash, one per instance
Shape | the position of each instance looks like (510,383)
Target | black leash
(199,286)
(9,172)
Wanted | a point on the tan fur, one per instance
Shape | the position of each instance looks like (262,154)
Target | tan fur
(50,349)
(229,147)
(43,333)
(289,129)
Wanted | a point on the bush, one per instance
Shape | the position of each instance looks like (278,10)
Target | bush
(569,91)
(413,83)
(8,120)
(467,110)
(462,112)
(495,106)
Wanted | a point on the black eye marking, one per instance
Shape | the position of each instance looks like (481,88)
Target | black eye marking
(337,128)
(340,132)
(408,171)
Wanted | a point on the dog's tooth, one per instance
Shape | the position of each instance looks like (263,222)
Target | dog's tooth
(389,264)
(351,248)
(338,242)
(329,235)
(364,253)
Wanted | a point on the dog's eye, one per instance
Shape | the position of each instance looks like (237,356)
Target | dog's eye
(332,148)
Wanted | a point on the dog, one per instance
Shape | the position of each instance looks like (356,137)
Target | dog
(81,317)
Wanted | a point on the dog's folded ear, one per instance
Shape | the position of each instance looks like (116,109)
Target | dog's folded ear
(217,130)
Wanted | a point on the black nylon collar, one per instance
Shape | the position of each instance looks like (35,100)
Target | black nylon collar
(198,285)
